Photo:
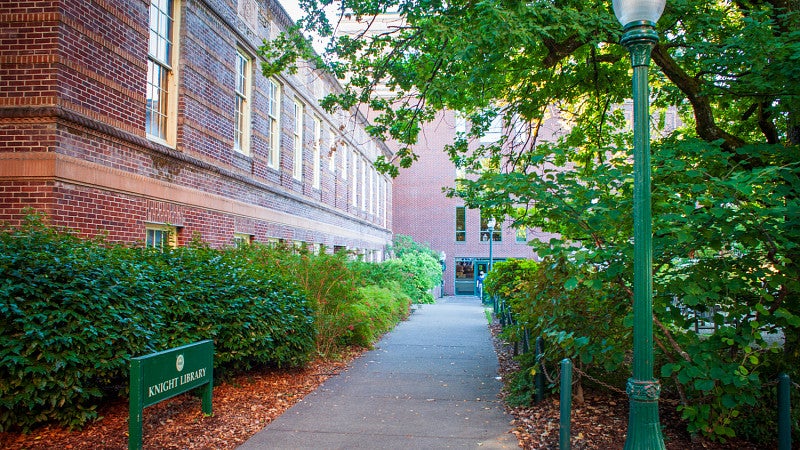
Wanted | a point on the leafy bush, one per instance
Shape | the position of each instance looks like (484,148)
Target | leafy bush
(378,313)
(73,312)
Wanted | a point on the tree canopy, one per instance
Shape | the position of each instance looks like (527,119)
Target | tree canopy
(725,179)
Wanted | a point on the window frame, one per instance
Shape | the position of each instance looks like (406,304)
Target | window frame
(497,233)
(297,140)
(168,241)
(242,239)
(164,84)
(242,115)
(274,123)
(316,173)
(461,224)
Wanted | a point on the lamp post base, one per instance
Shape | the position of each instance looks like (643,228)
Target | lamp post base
(644,427)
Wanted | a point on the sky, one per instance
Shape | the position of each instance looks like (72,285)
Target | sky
(293,8)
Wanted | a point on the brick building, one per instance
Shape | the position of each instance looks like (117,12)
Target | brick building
(150,121)
(423,211)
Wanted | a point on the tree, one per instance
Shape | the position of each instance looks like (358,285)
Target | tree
(726,183)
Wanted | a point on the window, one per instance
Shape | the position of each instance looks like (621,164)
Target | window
(160,237)
(298,141)
(461,123)
(386,191)
(495,131)
(372,180)
(497,232)
(355,179)
(461,178)
(160,110)
(522,234)
(242,239)
(241,132)
(363,184)
(331,152)
(461,224)
(344,150)
(274,128)
(317,153)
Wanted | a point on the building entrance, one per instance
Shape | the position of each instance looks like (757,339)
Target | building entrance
(465,276)
(467,271)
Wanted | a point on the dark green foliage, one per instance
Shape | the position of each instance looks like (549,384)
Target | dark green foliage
(378,313)
(73,312)
(418,266)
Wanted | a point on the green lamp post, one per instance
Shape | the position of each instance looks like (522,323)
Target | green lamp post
(491,223)
(639,17)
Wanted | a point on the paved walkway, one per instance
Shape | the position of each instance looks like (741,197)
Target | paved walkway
(431,383)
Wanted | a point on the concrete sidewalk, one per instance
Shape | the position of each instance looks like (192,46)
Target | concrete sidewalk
(430,383)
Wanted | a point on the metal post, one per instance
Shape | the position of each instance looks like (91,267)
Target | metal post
(566,404)
(491,241)
(644,428)
(784,413)
(539,377)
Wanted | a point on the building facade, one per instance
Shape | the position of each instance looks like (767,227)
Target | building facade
(461,235)
(150,121)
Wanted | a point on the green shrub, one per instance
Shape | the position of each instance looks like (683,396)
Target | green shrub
(381,309)
(73,312)
(327,280)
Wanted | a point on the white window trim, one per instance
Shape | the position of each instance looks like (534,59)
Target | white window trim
(172,235)
(355,180)
(316,170)
(171,114)
(297,141)
(241,239)
(331,152)
(363,184)
(345,152)
(243,125)
(274,123)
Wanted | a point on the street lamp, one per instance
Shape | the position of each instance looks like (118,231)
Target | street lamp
(638,18)
(491,223)
(443,262)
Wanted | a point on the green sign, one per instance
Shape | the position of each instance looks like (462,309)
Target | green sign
(159,376)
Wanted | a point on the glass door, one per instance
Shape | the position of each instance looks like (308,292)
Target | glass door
(465,276)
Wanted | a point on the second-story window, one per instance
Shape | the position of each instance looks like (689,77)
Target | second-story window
(461,224)
(297,171)
(331,151)
(344,151)
(496,232)
(161,108)
(363,184)
(317,152)
(522,234)
(241,132)
(274,125)
(355,179)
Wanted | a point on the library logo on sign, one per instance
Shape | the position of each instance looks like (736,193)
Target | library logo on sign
(179,363)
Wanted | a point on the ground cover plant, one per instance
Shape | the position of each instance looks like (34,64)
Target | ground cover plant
(74,311)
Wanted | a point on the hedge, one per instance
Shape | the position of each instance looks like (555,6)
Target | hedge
(73,312)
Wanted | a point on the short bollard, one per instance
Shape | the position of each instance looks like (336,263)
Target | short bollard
(784,413)
(539,377)
(566,404)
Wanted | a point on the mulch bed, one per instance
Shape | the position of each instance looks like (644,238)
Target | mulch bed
(247,403)
(601,422)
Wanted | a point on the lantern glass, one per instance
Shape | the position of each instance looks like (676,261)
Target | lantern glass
(628,11)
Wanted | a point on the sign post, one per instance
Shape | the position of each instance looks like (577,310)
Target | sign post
(162,375)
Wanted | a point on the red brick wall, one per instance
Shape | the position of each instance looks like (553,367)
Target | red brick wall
(72,83)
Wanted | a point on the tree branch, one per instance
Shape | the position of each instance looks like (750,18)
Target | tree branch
(706,126)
